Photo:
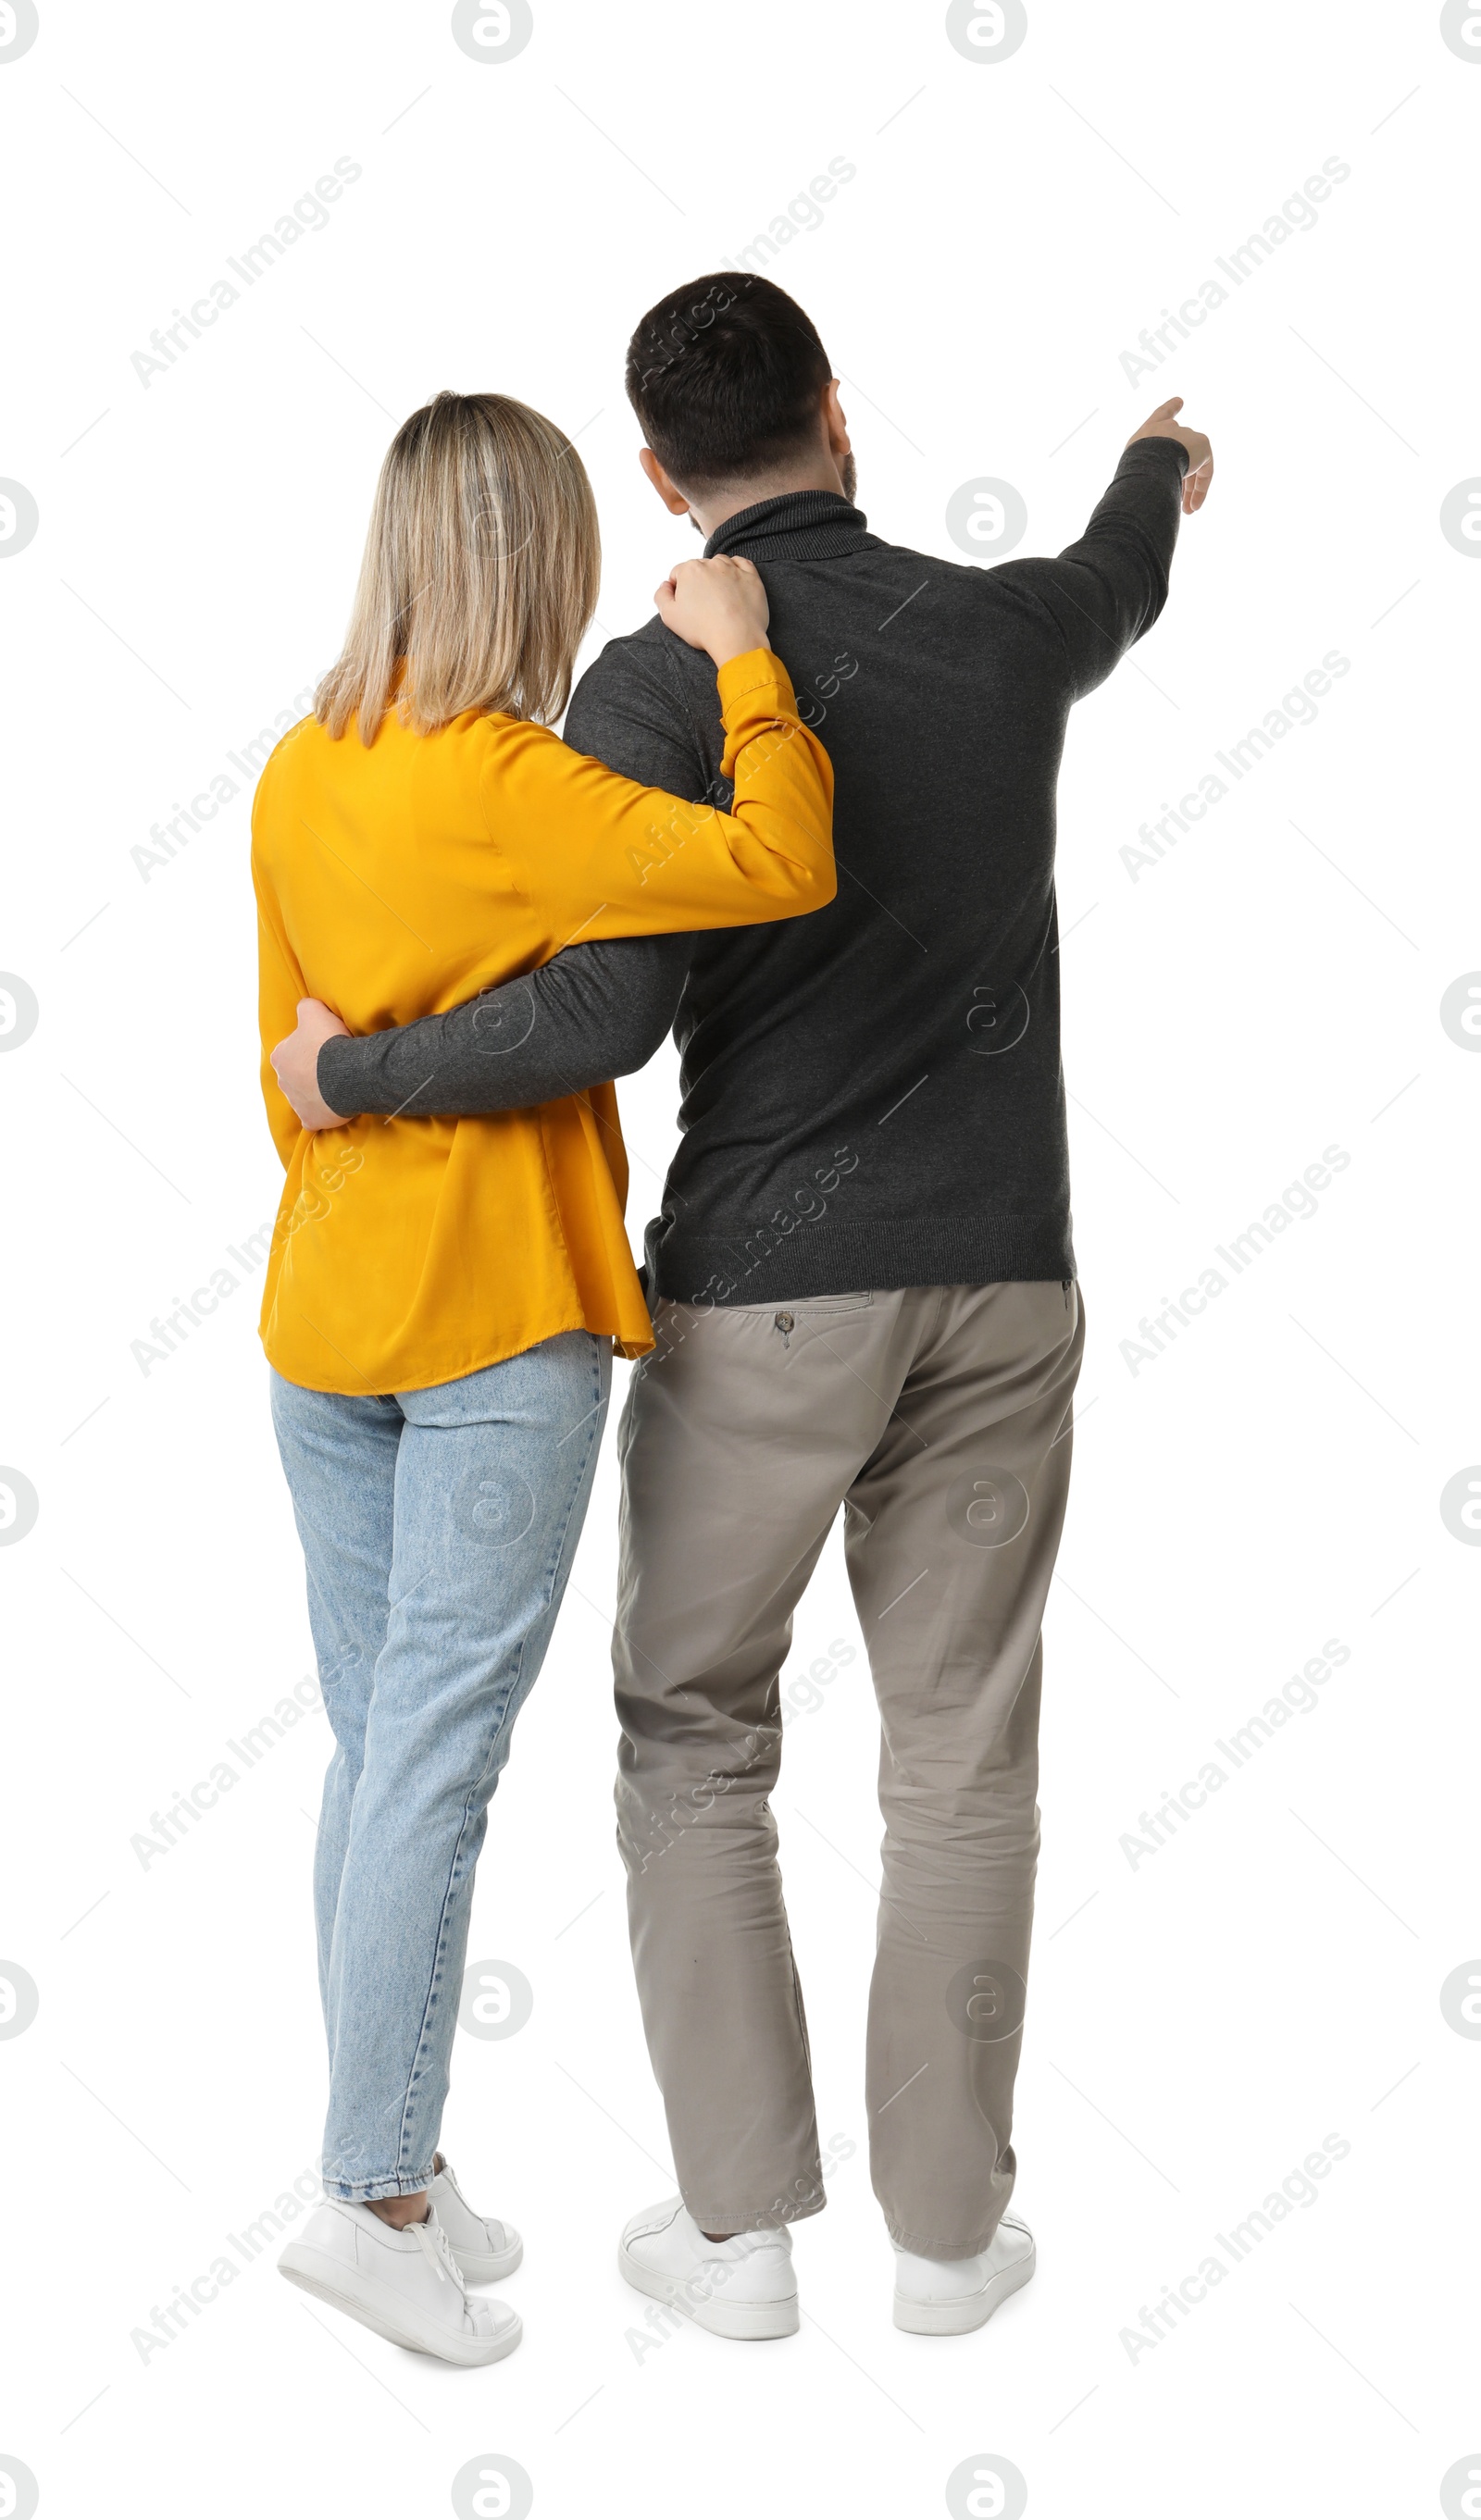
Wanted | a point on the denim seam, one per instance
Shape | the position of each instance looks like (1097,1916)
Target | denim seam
(500,1713)
(366,2191)
(559,1550)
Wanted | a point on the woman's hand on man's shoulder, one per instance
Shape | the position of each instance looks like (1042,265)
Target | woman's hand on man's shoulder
(718,605)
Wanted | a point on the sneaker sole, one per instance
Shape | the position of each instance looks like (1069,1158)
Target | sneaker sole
(960,2318)
(489,2270)
(745,2322)
(380,2306)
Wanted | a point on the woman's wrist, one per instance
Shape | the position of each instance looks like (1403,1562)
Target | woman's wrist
(726,654)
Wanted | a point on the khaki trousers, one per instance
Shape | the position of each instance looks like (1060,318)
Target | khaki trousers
(939,1419)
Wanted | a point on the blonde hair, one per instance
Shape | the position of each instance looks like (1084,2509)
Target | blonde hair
(481,570)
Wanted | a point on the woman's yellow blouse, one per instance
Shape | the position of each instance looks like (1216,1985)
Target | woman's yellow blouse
(400,878)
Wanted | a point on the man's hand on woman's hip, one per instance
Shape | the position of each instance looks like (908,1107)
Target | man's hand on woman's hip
(296,1063)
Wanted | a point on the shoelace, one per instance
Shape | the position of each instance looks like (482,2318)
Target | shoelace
(437,2250)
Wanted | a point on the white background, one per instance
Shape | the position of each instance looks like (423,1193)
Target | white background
(1199,2022)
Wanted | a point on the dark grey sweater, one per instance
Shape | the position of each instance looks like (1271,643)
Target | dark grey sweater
(873,1094)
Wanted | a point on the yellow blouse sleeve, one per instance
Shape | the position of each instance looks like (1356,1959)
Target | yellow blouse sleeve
(602,856)
(280,986)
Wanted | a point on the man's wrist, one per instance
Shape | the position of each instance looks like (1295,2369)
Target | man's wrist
(1156,438)
(346,1102)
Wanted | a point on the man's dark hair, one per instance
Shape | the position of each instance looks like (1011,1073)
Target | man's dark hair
(726,375)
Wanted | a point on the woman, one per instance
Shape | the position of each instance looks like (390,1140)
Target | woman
(444,1296)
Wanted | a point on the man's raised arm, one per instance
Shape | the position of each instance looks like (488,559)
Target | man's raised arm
(1108,588)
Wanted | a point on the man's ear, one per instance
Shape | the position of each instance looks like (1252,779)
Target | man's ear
(674,500)
(836,427)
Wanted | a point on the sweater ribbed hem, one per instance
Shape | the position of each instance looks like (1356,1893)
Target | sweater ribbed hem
(848,1259)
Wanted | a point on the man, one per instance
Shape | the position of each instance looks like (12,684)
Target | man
(863,1295)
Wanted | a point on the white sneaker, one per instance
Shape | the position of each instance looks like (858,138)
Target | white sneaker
(743,2287)
(404,2285)
(485,2250)
(946,2296)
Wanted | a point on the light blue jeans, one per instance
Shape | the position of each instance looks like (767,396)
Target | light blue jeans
(439,1528)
